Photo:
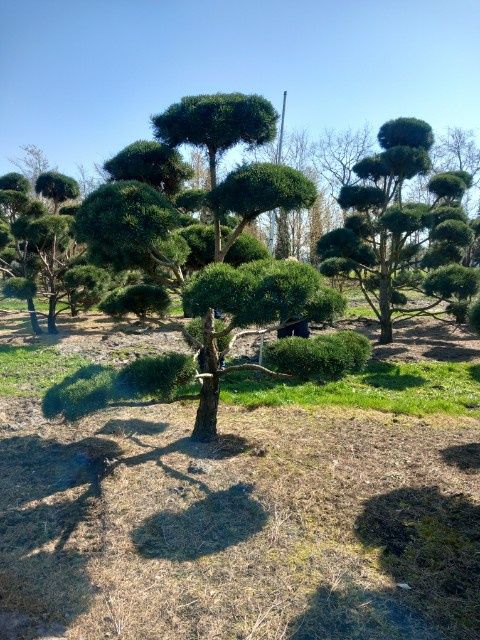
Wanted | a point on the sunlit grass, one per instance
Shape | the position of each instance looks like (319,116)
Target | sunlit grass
(31,370)
(409,388)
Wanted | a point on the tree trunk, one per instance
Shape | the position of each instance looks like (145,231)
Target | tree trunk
(385,294)
(282,247)
(51,320)
(205,429)
(37,330)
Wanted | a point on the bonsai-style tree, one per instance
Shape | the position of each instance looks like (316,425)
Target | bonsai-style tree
(46,236)
(17,262)
(383,240)
(148,161)
(217,123)
(260,293)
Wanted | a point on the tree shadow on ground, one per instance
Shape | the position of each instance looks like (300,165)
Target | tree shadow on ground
(474,371)
(134,426)
(353,613)
(221,520)
(44,583)
(386,375)
(465,456)
(430,541)
(451,353)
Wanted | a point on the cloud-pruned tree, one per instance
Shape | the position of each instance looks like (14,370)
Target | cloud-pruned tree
(386,244)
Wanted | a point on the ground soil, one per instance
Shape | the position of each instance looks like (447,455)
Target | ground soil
(101,340)
(331,524)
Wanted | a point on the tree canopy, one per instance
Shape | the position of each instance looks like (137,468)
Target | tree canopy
(148,161)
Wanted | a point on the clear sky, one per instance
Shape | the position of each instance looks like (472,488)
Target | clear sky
(80,78)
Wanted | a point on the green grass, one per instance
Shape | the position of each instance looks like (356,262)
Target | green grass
(419,389)
(30,371)
(412,388)
(12,304)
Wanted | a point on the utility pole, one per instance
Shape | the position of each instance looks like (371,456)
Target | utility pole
(278,160)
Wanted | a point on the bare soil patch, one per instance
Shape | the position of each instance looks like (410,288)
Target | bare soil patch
(103,341)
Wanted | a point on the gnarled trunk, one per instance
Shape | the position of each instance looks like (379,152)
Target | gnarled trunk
(205,429)
(37,330)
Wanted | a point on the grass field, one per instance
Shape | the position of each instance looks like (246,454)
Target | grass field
(421,388)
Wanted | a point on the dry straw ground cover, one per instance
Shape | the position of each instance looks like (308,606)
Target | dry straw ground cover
(299,524)
(292,533)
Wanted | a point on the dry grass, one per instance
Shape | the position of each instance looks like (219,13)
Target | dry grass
(289,534)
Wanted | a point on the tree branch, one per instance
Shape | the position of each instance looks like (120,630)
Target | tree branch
(254,367)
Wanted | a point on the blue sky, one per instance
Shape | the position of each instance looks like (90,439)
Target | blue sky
(80,78)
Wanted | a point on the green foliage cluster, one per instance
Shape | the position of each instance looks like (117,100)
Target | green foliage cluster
(151,162)
(57,187)
(217,121)
(18,287)
(14,182)
(122,221)
(86,285)
(261,292)
(452,280)
(200,239)
(195,329)
(255,188)
(139,299)
(326,357)
(156,376)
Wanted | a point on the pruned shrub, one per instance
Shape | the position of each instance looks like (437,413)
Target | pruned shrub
(326,305)
(358,347)
(89,389)
(452,280)
(458,310)
(140,299)
(324,358)
(157,376)
(474,316)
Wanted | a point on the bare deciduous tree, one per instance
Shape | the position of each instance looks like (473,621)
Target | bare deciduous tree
(335,154)
(32,163)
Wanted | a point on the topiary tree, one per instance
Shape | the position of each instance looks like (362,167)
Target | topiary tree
(57,188)
(48,237)
(148,161)
(217,123)
(85,285)
(383,240)
(256,292)
(262,293)
(16,258)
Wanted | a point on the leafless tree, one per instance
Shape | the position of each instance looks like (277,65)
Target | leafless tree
(335,154)
(32,162)
(88,182)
